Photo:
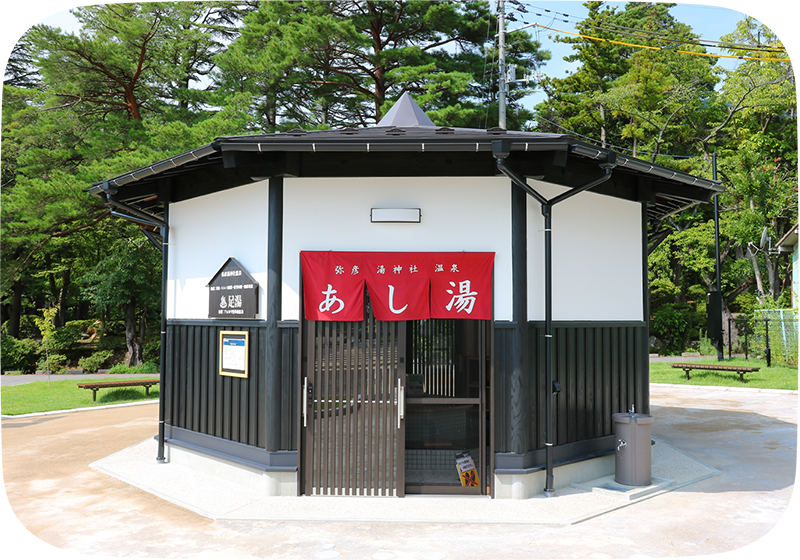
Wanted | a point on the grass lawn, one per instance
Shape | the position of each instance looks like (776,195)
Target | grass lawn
(43,396)
(775,377)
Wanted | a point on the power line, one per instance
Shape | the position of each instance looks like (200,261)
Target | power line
(663,36)
(596,141)
(623,43)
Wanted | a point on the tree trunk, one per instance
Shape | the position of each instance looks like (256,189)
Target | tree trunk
(61,317)
(757,276)
(603,126)
(677,278)
(773,277)
(143,327)
(16,310)
(131,338)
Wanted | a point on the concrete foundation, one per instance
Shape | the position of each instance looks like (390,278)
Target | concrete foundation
(270,483)
(524,486)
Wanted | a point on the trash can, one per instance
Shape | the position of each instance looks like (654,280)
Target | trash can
(633,455)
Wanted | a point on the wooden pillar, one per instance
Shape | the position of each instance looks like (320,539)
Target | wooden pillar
(519,420)
(273,409)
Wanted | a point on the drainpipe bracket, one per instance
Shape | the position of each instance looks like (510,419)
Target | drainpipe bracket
(610,162)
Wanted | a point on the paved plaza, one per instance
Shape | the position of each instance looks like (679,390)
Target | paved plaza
(86,483)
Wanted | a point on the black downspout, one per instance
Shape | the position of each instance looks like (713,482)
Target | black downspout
(163,354)
(547,212)
(138,216)
(500,151)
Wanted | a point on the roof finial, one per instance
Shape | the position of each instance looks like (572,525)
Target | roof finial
(406,112)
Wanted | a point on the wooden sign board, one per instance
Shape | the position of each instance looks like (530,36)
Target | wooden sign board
(232,293)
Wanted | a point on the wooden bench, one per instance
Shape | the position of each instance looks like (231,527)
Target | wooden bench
(146,383)
(741,370)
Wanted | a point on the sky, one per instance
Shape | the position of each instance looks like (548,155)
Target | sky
(708,18)
(710,22)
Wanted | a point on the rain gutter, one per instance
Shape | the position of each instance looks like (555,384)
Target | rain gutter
(500,150)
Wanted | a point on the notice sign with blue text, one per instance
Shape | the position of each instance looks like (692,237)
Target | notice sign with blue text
(233,353)
(232,293)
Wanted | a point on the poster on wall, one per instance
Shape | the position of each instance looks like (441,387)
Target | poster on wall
(232,293)
(233,353)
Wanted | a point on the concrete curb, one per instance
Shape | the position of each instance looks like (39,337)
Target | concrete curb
(52,412)
(725,388)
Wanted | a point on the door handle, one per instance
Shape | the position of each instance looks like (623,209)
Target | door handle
(401,402)
(305,402)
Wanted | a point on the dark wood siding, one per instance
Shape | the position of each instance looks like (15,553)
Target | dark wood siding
(602,369)
(197,398)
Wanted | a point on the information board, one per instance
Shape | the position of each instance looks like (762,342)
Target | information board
(233,353)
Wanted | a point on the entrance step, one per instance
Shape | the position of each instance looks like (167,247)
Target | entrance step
(607,485)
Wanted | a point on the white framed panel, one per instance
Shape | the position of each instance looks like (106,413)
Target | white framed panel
(207,230)
(457,214)
(597,257)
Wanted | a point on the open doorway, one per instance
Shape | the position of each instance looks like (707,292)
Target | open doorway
(447,385)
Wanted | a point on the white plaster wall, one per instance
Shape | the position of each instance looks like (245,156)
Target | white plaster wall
(458,214)
(204,232)
(597,257)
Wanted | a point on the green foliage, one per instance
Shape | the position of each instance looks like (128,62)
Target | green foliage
(676,325)
(635,98)
(53,362)
(146,367)
(706,348)
(132,270)
(779,334)
(82,326)
(18,355)
(319,64)
(152,350)
(94,362)
(64,338)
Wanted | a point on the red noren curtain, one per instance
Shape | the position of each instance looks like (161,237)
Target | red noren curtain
(402,286)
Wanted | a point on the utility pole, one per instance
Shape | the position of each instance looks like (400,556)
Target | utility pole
(501,56)
(717,308)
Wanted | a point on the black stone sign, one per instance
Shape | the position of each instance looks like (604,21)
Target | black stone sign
(232,293)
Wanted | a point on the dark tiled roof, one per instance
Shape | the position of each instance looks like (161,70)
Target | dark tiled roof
(419,139)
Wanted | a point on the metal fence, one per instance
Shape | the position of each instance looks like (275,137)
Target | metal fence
(770,334)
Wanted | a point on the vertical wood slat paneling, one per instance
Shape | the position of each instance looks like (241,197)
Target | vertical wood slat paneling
(219,393)
(290,386)
(602,369)
(197,398)
(581,373)
(168,378)
(196,371)
(501,402)
(597,426)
